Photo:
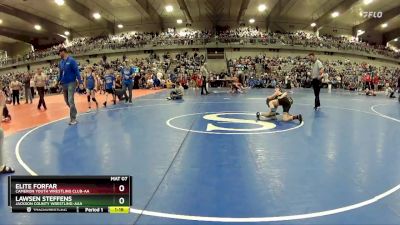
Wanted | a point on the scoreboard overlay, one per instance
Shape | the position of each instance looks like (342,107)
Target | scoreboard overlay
(70,194)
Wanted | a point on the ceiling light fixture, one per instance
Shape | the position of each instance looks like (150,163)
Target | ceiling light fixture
(1,21)
(59,2)
(96,15)
(179,21)
(262,8)
(384,25)
(367,2)
(360,32)
(169,8)
(396,39)
(335,14)
(120,26)
(313,24)
(37,27)
(66,33)
(252,20)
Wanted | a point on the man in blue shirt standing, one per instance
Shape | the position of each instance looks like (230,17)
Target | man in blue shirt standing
(127,74)
(69,74)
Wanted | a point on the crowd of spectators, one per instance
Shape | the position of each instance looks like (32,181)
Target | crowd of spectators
(152,72)
(295,72)
(261,71)
(243,35)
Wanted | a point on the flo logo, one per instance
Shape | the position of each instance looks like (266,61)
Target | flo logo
(372,14)
(228,123)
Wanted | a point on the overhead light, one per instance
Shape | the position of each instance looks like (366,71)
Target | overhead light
(384,25)
(59,2)
(313,24)
(66,33)
(1,21)
(396,39)
(262,8)
(120,26)
(96,15)
(252,20)
(367,2)
(179,21)
(335,14)
(38,27)
(360,32)
(169,8)
(361,13)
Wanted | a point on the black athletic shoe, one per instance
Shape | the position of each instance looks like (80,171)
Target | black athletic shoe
(105,104)
(300,118)
(258,115)
(115,102)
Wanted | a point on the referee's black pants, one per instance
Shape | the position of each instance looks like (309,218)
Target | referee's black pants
(204,86)
(316,84)
(15,95)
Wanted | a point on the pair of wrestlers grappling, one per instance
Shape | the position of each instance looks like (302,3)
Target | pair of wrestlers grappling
(279,98)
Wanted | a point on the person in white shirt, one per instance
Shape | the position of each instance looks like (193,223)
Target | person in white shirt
(32,85)
(15,87)
(40,80)
(317,74)
(204,74)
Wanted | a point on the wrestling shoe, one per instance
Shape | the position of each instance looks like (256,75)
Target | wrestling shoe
(300,118)
(258,115)
(73,122)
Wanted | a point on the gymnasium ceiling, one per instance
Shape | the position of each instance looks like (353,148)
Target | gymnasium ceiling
(18,17)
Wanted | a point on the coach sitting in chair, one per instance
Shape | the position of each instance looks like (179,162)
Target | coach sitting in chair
(177,93)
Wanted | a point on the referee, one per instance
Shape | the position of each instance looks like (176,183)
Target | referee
(204,74)
(317,73)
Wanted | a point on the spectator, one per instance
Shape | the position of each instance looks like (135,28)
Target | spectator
(69,74)
(127,73)
(3,167)
(32,85)
(27,88)
(177,93)
(15,87)
(40,80)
